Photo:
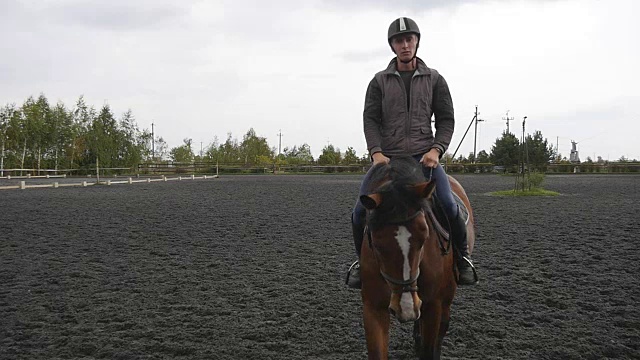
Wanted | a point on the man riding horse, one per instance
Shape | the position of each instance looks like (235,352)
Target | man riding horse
(399,104)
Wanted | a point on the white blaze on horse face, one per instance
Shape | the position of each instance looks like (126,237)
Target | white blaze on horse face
(402,236)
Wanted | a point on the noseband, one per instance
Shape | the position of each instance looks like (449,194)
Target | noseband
(406,284)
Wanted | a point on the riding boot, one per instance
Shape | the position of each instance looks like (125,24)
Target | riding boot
(466,270)
(353,274)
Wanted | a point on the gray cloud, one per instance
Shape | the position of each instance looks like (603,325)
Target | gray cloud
(117,15)
(417,6)
(407,5)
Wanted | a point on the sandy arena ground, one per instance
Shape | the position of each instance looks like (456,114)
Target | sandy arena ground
(251,267)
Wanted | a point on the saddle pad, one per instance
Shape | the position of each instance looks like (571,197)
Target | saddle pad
(439,218)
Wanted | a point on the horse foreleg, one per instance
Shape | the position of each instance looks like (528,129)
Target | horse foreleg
(430,331)
(376,330)
(444,323)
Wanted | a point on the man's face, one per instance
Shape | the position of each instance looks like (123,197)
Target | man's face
(404,46)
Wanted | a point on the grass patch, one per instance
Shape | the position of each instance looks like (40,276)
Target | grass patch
(532,192)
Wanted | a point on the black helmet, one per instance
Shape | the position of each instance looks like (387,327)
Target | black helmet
(403,25)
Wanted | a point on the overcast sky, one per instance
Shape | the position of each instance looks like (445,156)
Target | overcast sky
(202,69)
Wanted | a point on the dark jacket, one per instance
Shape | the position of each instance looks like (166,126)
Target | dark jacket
(393,129)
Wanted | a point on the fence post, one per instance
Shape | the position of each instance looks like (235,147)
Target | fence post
(193,177)
(23,185)
(109,182)
(55,185)
(148,180)
(130,181)
(179,177)
(164,177)
(84,184)
(205,177)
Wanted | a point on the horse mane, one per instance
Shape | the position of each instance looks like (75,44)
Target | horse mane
(393,181)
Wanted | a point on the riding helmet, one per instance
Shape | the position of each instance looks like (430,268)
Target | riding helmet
(403,25)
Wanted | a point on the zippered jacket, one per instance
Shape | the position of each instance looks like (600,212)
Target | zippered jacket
(392,128)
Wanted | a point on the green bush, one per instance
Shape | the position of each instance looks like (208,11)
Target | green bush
(530,181)
(535,180)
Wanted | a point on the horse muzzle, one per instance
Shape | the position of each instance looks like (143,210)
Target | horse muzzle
(405,306)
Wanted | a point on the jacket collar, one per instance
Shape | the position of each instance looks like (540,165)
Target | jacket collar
(422,68)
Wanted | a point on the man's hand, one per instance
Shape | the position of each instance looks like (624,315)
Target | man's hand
(379,158)
(431,159)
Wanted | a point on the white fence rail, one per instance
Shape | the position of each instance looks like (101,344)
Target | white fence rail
(24,185)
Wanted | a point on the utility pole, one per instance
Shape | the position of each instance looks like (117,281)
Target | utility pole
(475,137)
(153,144)
(508,119)
(200,150)
(524,151)
(279,141)
(2,160)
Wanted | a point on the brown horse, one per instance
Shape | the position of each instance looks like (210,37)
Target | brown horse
(405,266)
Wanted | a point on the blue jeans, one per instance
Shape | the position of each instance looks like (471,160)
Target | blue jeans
(443,192)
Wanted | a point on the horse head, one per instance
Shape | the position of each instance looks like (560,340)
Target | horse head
(398,230)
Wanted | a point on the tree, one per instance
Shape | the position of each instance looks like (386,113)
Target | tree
(329,156)
(540,151)
(6,115)
(298,155)
(350,157)
(229,152)
(61,132)
(182,153)
(41,136)
(103,139)
(506,150)
(483,157)
(82,117)
(364,159)
(132,144)
(471,158)
(447,158)
(161,148)
(254,147)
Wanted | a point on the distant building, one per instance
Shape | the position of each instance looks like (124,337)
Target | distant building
(573,157)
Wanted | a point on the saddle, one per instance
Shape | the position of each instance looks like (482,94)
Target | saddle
(439,218)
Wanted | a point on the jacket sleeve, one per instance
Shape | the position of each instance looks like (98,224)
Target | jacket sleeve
(443,111)
(372,117)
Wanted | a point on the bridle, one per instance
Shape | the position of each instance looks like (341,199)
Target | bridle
(405,284)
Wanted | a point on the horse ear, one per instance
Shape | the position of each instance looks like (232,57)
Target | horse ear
(425,190)
(371,201)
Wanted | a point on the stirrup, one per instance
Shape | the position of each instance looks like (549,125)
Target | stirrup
(348,280)
(473,268)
